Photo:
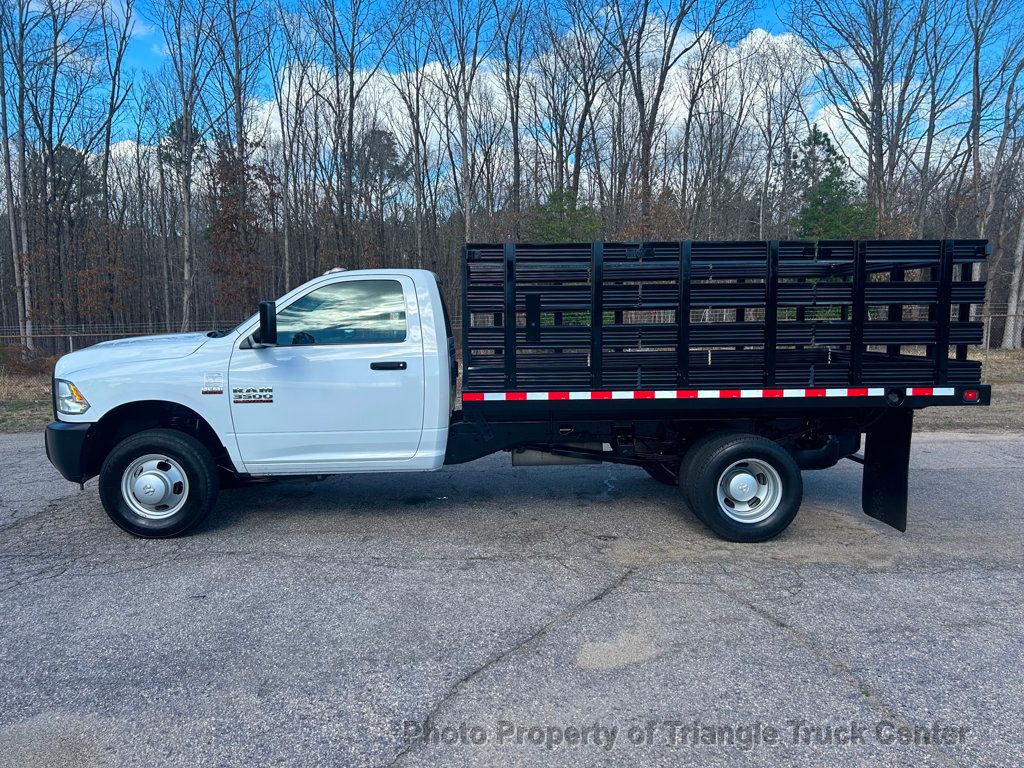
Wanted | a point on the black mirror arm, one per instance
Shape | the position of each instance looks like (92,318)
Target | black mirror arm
(268,325)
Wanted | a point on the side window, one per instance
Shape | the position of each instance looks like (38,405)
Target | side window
(351,312)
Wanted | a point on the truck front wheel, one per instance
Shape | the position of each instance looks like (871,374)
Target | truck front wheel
(158,483)
(746,488)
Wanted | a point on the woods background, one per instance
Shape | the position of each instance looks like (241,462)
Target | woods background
(261,143)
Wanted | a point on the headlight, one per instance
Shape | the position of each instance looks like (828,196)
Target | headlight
(69,399)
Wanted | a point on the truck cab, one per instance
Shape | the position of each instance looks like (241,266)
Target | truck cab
(360,378)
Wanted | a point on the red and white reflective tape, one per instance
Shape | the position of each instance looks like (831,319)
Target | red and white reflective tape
(930,391)
(700,394)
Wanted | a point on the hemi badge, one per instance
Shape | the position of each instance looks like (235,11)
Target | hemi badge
(213,384)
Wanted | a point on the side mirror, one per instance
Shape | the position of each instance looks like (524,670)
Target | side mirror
(268,324)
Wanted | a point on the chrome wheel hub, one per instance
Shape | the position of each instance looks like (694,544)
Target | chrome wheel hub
(743,486)
(154,486)
(749,491)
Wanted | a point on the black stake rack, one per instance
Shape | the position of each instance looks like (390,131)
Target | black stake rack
(591,316)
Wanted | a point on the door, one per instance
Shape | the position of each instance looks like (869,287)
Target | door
(343,388)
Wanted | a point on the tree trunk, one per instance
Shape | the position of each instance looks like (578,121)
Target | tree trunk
(1012,330)
(12,214)
(186,247)
(465,171)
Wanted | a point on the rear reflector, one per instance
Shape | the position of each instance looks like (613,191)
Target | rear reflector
(971,395)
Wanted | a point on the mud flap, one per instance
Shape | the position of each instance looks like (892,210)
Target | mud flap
(886,467)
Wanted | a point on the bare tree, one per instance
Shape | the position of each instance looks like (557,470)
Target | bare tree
(67,122)
(943,49)
(870,53)
(651,38)
(412,52)
(462,29)
(781,74)
(569,76)
(1014,323)
(357,36)
(514,22)
(288,62)
(187,27)
(117,25)
(698,72)
(16,26)
(282,138)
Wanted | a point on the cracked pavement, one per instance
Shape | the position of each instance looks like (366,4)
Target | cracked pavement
(317,624)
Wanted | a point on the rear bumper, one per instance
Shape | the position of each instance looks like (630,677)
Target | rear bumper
(65,448)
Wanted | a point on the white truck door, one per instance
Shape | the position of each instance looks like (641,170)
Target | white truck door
(343,388)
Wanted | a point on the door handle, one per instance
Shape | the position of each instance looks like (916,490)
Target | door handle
(389,365)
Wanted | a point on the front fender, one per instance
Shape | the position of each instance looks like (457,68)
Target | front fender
(197,382)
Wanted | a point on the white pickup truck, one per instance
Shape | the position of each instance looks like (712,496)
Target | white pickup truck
(356,372)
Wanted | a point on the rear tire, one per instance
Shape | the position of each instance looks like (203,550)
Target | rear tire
(159,483)
(686,465)
(745,488)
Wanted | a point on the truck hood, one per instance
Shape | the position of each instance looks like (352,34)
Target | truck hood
(136,349)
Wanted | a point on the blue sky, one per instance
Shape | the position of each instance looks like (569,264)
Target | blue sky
(145,54)
(143,49)
(772,17)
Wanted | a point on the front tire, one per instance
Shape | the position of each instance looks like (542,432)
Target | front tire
(745,488)
(159,483)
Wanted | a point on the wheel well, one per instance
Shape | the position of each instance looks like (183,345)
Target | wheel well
(130,418)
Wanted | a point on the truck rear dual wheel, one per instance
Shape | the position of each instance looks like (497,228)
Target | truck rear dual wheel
(159,483)
(745,488)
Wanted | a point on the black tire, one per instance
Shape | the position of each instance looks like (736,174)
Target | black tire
(717,454)
(663,473)
(196,492)
(686,465)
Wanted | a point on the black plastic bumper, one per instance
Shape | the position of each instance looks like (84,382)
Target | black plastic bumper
(65,445)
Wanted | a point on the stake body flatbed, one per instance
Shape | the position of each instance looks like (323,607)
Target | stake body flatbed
(720,368)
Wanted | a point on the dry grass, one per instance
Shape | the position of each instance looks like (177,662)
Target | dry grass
(25,399)
(999,365)
(1006,414)
(1004,370)
(22,387)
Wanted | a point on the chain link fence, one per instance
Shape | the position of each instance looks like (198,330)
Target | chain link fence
(60,339)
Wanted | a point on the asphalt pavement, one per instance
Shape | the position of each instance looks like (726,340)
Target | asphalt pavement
(486,615)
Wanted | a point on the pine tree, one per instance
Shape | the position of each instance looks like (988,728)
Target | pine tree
(832,206)
(562,220)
